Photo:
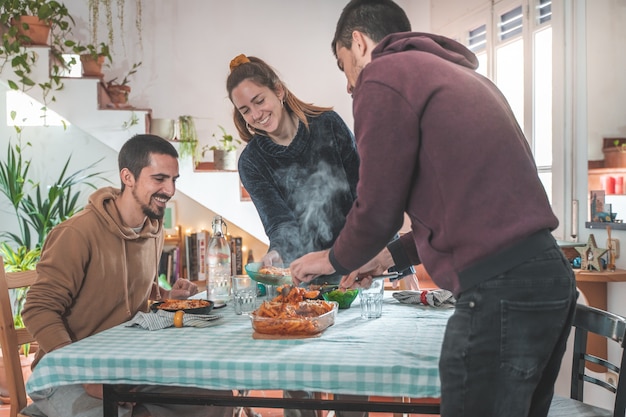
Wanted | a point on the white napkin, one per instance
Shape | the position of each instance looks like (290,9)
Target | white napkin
(434,298)
(163,319)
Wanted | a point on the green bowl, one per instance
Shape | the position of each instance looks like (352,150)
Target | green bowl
(344,298)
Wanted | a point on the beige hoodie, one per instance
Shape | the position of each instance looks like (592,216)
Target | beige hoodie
(94,274)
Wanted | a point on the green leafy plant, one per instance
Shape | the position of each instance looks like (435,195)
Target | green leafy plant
(119,91)
(39,208)
(133,121)
(94,51)
(226,143)
(187,137)
(22,60)
(107,6)
(621,145)
(126,78)
(21,259)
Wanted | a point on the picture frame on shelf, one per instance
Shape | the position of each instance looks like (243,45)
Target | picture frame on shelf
(169,219)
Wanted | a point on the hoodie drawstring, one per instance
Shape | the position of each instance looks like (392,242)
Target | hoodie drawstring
(124,266)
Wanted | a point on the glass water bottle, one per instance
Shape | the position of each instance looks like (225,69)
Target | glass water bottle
(219,260)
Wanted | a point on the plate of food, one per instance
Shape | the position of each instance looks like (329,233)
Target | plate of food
(190,306)
(307,318)
(269,274)
(293,313)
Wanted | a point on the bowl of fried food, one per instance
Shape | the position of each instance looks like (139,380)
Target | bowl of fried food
(188,306)
(343,297)
(269,274)
(292,314)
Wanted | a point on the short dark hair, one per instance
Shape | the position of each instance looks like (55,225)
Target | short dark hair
(135,153)
(375,18)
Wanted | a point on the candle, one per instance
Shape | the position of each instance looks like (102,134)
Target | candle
(608,184)
(619,185)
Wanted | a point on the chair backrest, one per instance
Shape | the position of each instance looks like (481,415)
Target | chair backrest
(612,327)
(11,338)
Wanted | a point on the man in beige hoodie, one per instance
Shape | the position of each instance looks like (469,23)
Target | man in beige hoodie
(99,268)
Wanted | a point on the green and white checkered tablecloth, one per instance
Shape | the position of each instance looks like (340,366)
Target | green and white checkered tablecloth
(395,355)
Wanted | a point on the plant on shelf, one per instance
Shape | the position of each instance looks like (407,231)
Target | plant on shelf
(187,138)
(92,57)
(620,144)
(225,152)
(119,91)
(25,17)
(21,18)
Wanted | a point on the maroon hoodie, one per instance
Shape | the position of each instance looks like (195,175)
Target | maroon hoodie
(438,141)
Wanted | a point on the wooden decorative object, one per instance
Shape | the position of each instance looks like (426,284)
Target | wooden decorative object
(590,255)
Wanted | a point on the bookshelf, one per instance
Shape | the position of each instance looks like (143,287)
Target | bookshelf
(172,263)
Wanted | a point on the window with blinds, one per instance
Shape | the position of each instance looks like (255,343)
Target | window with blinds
(477,40)
(544,12)
(510,23)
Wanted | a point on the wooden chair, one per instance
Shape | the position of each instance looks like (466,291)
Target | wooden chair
(612,327)
(11,338)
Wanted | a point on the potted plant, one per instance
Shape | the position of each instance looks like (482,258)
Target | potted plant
(32,21)
(225,152)
(22,18)
(38,208)
(187,137)
(92,57)
(119,91)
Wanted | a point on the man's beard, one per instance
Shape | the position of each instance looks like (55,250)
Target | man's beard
(153,214)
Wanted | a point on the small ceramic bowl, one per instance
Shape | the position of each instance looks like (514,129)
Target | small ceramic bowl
(343,297)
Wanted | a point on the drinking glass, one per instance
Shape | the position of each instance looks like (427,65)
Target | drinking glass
(244,294)
(372,299)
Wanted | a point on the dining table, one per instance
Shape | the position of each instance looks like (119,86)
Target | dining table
(394,356)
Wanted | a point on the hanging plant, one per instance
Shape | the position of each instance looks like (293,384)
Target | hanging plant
(187,137)
(107,5)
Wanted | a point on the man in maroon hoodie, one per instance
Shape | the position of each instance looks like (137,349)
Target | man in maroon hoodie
(439,142)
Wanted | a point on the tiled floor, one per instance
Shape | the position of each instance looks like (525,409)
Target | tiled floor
(264,412)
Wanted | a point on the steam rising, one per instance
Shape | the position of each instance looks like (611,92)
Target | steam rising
(320,202)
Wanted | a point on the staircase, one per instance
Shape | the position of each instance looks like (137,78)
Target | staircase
(218,191)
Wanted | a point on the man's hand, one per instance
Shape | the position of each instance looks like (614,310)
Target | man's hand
(361,278)
(183,289)
(309,266)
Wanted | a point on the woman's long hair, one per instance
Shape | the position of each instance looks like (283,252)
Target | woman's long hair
(257,71)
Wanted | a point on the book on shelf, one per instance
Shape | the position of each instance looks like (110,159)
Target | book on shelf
(202,240)
(236,251)
(191,256)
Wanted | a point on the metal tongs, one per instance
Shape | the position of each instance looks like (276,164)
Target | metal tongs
(391,275)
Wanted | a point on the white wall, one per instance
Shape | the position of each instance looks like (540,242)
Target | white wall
(185,49)
(187,45)
(606,65)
